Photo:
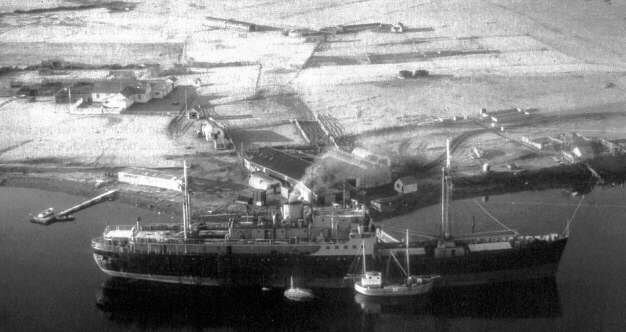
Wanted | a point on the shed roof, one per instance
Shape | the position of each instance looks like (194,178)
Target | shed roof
(133,90)
(279,162)
(116,86)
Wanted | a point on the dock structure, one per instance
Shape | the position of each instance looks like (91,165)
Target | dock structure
(48,216)
(88,203)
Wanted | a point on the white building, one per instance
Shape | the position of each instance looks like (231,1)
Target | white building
(150,178)
(120,94)
(262,181)
(118,101)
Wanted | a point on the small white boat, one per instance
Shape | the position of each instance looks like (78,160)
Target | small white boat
(297,293)
(48,216)
(371,283)
(44,217)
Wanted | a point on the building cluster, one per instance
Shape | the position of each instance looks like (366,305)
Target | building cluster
(323,179)
(215,131)
(502,118)
(575,147)
(114,93)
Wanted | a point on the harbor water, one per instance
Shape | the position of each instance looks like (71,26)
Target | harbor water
(49,281)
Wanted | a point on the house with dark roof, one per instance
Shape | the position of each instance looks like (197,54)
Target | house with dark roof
(80,90)
(277,163)
(282,166)
(311,179)
(40,91)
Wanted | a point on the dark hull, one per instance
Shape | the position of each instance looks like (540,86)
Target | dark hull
(534,261)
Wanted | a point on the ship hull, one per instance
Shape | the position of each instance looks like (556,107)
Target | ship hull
(533,262)
(394,290)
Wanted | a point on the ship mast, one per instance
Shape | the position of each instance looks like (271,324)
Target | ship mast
(445,196)
(408,267)
(363,247)
(186,209)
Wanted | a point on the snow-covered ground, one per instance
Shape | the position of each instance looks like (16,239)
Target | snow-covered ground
(44,131)
(559,56)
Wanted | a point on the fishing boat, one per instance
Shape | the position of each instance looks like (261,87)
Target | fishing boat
(296,293)
(371,283)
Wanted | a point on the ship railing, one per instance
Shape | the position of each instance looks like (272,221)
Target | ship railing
(109,228)
(174,248)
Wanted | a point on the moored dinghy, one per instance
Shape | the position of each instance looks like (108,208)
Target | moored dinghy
(297,293)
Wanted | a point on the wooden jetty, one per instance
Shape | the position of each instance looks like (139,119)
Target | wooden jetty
(48,216)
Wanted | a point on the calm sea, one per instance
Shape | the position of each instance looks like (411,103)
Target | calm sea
(49,282)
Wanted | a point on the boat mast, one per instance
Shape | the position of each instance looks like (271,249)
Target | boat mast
(188,200)
(408,267)
(363,249)
(445,186)
(185,201)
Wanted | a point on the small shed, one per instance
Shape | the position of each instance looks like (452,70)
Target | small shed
(405,185)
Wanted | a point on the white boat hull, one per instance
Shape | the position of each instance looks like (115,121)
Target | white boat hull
(298,294)
(395,290)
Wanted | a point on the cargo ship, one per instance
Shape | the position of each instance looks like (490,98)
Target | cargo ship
(318,247)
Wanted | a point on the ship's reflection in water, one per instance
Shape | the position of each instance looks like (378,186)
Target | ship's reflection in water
(152,305)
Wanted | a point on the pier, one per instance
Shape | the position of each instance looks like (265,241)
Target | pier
(48,216)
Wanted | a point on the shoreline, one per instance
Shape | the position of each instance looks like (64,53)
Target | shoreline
(575,177)
(87,189)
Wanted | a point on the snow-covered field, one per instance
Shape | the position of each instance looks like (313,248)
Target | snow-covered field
(559,56)
(44,131)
